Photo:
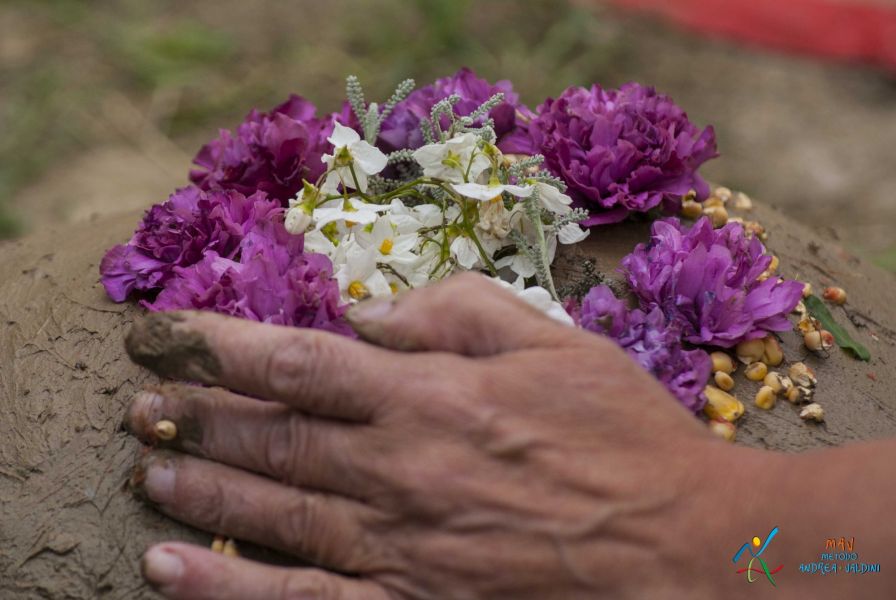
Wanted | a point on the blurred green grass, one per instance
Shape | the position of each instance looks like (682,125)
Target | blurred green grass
(194,67)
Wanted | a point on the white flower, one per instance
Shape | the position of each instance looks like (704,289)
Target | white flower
(457,160)
(494,218)
(297,220)
(478,191)
(571,233)
(358,276)
(350,151)
(352,211)
(317,241)
(391,247)
(539,298)
(552,199)
(467,255)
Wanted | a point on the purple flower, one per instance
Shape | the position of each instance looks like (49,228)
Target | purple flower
(621,151)
(273,281)
(651,342)
(401,129)
(270,152)
(708,283)
(178,233)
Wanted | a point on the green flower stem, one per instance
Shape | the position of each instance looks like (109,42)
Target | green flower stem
(544,269)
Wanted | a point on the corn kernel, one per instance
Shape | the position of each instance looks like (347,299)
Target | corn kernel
(722,405)
(724,381)
(812,340)
(750,351)
(812,412)
(794,395)
(691,209)
(165,430)
(765,398)
(827,339)
(774,380)
(807,290)
(230,548)
(837,295)
(725,430)
(722,193)
(721,361)
(742,201)
(802,374)
(717,214)
(756,371)
(218,544)
(772,353)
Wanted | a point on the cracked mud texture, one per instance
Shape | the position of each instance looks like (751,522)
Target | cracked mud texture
(70,527)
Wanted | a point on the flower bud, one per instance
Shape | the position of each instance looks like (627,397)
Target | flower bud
(297,220)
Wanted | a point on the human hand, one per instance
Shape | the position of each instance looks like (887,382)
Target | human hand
(473,448)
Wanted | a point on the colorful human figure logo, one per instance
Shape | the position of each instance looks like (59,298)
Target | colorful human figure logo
(756,556)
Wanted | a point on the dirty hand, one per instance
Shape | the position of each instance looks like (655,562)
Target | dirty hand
(471,448)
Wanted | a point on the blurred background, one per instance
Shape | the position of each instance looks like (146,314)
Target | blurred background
(104,103)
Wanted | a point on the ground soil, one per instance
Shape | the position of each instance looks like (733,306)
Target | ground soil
(71,528)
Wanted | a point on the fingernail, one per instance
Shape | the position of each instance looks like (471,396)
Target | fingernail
(162,567)
(373,309)
(159,483)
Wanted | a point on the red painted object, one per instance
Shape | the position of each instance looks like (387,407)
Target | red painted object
(863,30)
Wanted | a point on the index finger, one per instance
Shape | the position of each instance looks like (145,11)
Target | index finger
(314,371)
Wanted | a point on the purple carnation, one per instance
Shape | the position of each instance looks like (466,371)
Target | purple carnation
(178,233)
(708,282)
(270,152)
(651,342)
(401,129)
(621,151)
(272,281)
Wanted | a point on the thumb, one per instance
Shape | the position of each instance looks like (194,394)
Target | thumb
(465,314)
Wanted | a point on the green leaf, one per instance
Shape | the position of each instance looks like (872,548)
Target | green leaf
(818,310)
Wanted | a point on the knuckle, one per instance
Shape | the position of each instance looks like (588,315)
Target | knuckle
(296,366)
(286,443)
(301,524)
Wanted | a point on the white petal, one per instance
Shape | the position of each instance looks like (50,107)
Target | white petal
(297,221)
(343,136)
(553,199)
(430,154)
(571,233)
(369,158)
(477,191)
(464,250)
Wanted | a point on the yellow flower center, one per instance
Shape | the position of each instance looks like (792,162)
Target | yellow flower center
(386,246)
(394,287)
(358,290)
(350,224)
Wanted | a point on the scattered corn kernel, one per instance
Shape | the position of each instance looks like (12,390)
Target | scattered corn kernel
(813,412)
(725,430)
(165,430)
(774,380)
(802,374)
(766,398)
(722,193)
(807,290)
(756,371)
(717,214)
(742,201)
(218,544)
(755,229)
(827,339)
(691,209)
(774,264)
(722,361)
(837,295)
(724,381)
(713,202)
(772,353)
(794,395)
(230,548)
(750,351)
(722,405)
(812,340)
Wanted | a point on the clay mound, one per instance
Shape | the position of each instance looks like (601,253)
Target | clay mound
(70,528)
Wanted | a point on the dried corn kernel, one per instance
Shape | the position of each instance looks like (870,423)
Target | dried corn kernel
(722,361)
(717,214)
(812,412)
(750,351)
(691,209)
(218,544)
(766,398)
(165,430)
(742,201)
(837,295)
(772,353)
(722,405)
(807,290)
(230,548)
(724,381)
(774,380)
(724,429)
(756,371)
(802,374)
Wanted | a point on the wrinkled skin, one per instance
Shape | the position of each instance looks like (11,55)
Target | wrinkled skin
(471,448)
